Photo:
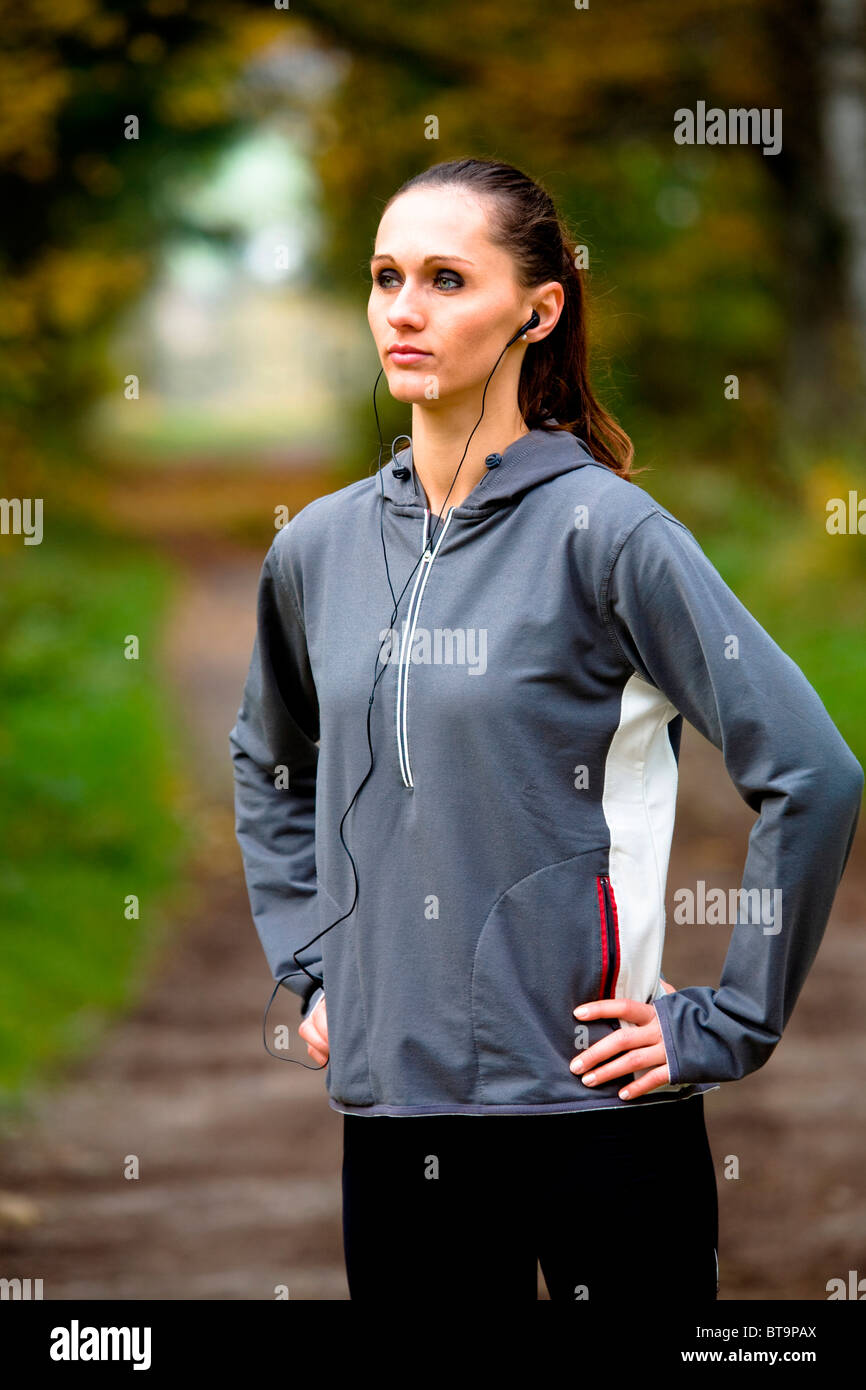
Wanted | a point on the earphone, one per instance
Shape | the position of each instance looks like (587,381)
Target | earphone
(399,471)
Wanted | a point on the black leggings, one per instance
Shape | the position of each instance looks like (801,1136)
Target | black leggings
(615,1204)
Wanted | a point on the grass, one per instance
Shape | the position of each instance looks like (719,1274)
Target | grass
(88,792)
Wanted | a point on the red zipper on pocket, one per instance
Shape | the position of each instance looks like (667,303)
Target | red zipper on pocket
(609,936)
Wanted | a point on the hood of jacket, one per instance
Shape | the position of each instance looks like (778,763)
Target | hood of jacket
(534,458)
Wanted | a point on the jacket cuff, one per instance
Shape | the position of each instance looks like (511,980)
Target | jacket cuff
(667,1041)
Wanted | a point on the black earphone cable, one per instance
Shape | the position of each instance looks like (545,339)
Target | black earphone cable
(531,323)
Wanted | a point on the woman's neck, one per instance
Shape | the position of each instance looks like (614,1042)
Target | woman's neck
(438,443)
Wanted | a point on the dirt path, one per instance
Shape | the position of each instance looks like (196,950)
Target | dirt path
(240,1156)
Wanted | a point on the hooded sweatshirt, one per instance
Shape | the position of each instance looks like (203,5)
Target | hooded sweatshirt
(512,839)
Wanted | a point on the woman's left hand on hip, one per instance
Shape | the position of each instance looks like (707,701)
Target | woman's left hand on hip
(634,1047)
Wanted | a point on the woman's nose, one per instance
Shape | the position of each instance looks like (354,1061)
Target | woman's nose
(404,309)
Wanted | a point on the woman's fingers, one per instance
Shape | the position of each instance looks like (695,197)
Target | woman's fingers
(316,1024)
(633,1047)
(314,1030)
(659,1076)
(632,1010)
(627,1045)
(635,1059)
(316,1050)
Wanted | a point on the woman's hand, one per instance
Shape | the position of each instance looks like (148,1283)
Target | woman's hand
(642,1040)
(314,1031)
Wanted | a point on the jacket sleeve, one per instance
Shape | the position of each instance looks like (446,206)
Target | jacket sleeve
(682,629)
(274,751)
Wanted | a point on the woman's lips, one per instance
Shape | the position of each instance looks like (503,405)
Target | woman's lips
(405,359)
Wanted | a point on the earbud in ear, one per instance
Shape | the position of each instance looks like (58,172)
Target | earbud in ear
(533,322)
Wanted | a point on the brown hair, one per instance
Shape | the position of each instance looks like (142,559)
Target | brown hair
(554,379)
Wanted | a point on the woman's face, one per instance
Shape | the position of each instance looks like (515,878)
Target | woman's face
(441,286)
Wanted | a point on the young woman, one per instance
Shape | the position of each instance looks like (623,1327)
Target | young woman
(501,753)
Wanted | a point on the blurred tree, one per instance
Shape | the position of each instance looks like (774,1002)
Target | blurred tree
(843,69)
(705,261)
(728,260)
(100,104)
(817,66)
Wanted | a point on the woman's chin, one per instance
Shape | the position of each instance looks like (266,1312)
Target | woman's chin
(409,390)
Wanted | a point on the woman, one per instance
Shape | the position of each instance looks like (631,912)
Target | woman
(491,944)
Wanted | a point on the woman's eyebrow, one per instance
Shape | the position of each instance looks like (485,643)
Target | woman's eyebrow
(386,256)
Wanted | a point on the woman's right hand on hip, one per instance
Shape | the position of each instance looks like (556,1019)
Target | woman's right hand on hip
(314,1031)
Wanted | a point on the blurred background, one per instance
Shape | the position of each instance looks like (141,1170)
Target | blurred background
(191,194)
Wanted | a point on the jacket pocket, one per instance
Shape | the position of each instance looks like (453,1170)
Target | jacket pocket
(608,936)
(347,1077)
(539,955)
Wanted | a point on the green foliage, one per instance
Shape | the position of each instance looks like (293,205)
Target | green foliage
(88,793)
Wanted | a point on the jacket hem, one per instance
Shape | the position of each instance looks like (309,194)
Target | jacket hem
(555,1108)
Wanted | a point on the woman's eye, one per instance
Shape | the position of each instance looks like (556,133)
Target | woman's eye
(440,274)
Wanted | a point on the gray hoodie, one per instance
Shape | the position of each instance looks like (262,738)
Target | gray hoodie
(512,839)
